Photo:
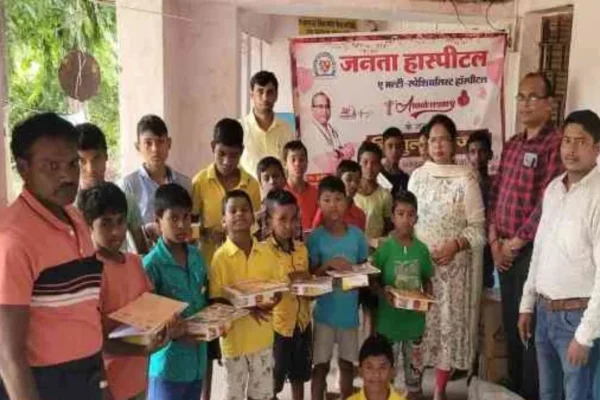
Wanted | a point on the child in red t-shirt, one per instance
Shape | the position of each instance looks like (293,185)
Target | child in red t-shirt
(295,159)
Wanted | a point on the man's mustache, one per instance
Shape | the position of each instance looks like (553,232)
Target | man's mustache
(68,186)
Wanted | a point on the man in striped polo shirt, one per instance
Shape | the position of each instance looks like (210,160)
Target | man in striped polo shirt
(50,331)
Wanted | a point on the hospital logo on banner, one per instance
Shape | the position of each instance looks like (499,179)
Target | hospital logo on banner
(324,65)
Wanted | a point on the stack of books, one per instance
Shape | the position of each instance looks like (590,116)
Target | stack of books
(213,321)
(413,300)
(355,277)
(313,287)
(144,318)
(254,293)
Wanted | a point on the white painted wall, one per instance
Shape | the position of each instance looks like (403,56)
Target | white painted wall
(584,62)
(277,58)
(257,25)
(529,6)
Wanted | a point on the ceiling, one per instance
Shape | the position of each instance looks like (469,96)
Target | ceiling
(421,10)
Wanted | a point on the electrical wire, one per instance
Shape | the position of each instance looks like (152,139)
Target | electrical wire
(487,17)
(112,4)
(453,2)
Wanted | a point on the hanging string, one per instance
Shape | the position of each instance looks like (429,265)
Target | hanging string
(487,18)
(78,43)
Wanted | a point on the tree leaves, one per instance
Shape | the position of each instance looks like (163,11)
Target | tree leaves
(39,35)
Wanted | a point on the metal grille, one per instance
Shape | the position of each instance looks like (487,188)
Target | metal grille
(554,58)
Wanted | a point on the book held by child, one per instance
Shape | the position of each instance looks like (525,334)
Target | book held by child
(253,293)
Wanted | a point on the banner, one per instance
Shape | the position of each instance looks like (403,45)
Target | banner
(351,88)
(313,26)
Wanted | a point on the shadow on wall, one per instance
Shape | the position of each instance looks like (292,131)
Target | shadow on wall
(573,93)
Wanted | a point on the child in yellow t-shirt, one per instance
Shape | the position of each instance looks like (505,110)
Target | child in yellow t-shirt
(208,190)
(374,200)
(222,175)
(292,316)
(248,347)
(376,370)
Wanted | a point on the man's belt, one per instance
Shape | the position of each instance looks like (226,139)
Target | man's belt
(573,304)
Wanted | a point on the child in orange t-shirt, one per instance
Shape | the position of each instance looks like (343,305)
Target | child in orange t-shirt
(295,160)
(124,279)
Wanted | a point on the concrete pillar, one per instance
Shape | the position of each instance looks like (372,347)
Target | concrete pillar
(201,66)
(141,78)
(179,60)
(584,74)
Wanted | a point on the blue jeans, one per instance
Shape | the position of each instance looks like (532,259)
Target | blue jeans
(554,332)
(160,389)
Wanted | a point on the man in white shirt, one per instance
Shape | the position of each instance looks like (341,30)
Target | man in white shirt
(563,284)
(264,133)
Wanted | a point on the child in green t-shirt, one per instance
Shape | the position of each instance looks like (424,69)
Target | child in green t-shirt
(405,263)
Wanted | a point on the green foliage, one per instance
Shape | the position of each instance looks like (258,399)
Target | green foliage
(40,34)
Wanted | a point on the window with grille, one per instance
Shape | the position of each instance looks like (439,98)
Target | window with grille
(554,58)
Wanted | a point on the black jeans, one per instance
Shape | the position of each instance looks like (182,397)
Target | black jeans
(522,364)
(73,380)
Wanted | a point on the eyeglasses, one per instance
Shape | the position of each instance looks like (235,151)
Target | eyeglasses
(321,106)
(532,98)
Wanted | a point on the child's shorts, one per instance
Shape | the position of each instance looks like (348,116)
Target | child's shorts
(250,376)
(213,350)
(293,357)
(366,298)
(326,336)
(160,389)
(408,359)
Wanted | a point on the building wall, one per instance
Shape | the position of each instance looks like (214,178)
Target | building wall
(584,62)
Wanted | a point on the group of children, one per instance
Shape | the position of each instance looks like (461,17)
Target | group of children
(278,227)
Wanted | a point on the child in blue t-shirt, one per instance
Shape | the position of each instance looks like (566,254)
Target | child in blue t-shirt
(335,245)
(177,270)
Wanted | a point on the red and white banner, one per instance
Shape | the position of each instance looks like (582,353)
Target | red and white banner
(351,88)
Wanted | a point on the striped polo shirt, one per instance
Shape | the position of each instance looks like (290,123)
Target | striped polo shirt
(50,266)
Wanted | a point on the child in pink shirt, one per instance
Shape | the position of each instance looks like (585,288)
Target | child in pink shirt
(123,280)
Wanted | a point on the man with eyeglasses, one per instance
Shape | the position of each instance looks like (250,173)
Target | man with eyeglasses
(323,141)
(530,160)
